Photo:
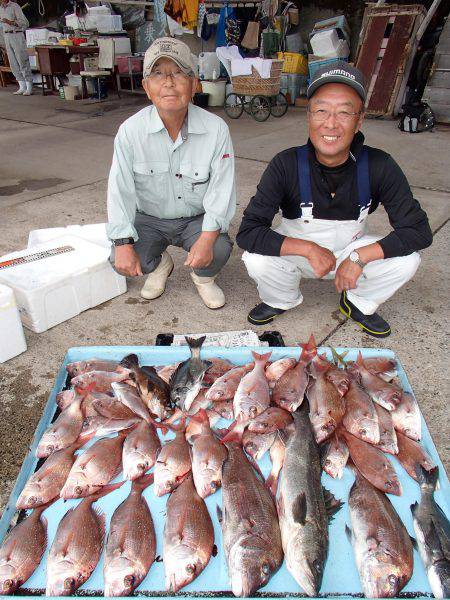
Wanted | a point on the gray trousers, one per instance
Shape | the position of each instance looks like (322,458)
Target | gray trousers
(155,235)
(19,62)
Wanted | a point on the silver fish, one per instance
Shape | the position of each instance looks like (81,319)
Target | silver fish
(432,530)
(304,507)
(186,381)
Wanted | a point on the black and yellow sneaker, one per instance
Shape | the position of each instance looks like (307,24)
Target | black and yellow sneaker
(263,313)
(372,324)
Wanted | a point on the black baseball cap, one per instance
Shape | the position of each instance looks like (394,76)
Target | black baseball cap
(338,72)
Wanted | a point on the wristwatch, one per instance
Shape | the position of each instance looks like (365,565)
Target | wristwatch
(123,241)
(354,257)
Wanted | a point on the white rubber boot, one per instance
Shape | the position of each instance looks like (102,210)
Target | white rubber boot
(22,88)
(155,284)
(29,89)
(209,291)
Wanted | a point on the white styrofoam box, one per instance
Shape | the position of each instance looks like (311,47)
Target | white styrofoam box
(95,233)
(54,289)
(342,51)
(39,36)
(122,45)
(325,43)
(12,339)
(86,23)
(98,10)
(108,23)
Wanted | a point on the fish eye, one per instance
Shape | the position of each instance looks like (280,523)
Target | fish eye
(69,583)
(249,446)
(78,490)
(392,579)
(214,485)
(8,584)
(265,569)
(50,448)
(317,566)
(129,580)
(190,569)
(32,500)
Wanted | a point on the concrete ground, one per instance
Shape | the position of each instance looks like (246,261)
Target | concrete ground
(54,163)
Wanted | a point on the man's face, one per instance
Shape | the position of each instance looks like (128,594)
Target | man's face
(168,87)
(334,116)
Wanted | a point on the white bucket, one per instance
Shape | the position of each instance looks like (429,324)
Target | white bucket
(12,339)
(71,91)
(216,91)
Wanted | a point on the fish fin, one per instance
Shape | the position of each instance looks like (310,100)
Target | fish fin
(104,490)
(338,358)
(280,506)
(299,509)
(360,360)
(283,435)
(130,361)
(214,551)
(262,358)
(272,484)
(220,433)
(323,451)
(195,344)
(414,542)
(235,432)
(348,533)
(201,416)
(332,504)
(414,507)
(219,514)
(255,465)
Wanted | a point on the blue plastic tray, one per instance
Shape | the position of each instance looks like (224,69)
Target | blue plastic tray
(341,576)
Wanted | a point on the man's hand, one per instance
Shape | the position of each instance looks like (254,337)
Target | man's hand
(321,260)
(8,22)
(201,253)
(347,275)
(126,261)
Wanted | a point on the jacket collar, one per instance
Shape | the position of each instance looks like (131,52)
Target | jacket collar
(193,120)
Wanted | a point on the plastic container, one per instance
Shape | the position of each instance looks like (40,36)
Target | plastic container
(94,233)
(293,63)
(127,64)
(109,23)
(340,578)
(216,91)
(317,62)
(71,92)
(12,339)
(54,289)
(325,43)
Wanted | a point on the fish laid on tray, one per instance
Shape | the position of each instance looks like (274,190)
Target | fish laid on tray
(355,410)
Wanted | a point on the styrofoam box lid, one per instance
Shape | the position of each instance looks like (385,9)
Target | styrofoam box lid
(6,295)
(46,271)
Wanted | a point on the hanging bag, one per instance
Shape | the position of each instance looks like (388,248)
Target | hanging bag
(251,37)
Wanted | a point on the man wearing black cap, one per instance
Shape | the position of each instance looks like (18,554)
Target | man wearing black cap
(326,190)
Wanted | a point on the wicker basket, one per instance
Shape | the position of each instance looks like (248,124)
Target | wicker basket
(255,85)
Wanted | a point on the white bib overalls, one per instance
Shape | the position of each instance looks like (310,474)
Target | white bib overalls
(278,277)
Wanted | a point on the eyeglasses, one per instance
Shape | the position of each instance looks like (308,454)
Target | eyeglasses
(176,76)
(343,116)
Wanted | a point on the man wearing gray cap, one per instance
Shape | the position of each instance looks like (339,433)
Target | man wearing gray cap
(325,190)
(171,181)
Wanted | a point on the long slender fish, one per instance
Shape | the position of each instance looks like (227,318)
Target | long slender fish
(251,534)
(22,551)
(432,530)
(131,544)
(304,506)
(382,547)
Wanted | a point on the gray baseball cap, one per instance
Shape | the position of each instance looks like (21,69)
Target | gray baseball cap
(172,48)
(338,72)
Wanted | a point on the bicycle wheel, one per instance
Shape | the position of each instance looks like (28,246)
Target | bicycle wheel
(278,105)
(260,108)
(234,106)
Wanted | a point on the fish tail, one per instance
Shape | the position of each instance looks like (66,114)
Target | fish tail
(195,345)
(103,491)
(234,432)
(360,360)
(261,358)
(143,482)
(200,416)
(130,362)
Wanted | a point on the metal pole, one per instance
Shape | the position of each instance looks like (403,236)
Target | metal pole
(427,19)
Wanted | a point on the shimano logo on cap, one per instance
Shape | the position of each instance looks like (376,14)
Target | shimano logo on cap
(166,47)
(338,72)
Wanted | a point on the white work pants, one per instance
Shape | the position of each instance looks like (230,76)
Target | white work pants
(19,62)
(278,277)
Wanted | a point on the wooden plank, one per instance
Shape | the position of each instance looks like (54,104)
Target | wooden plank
(393,62)
(370,49)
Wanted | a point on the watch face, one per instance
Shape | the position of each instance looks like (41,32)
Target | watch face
(354,256)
